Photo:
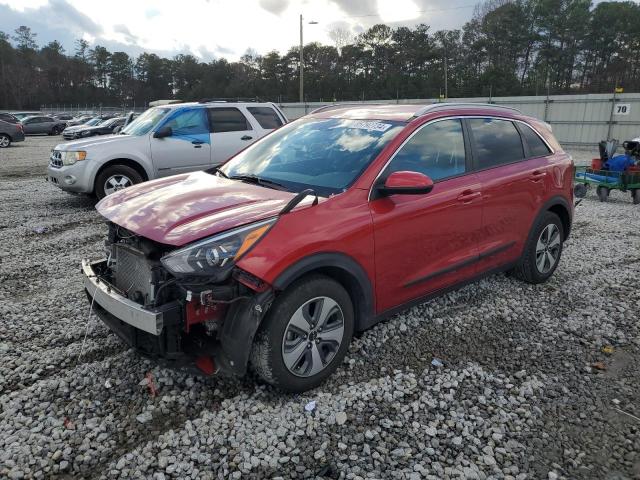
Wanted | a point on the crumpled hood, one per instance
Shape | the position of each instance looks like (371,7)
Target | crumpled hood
(183,208)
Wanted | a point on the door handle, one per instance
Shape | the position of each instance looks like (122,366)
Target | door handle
(468,195)
(246,137)
(537,175)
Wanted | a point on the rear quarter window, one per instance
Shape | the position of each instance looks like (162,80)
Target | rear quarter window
(537,147)
(226,119)
(266,117)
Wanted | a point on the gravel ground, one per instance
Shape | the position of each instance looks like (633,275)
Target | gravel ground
(535,382)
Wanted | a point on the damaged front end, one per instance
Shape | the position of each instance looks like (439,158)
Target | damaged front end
(188,307)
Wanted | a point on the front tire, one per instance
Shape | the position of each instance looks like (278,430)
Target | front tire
(603,193)
(305,335)
(543,250)
(5,141)
(115,178)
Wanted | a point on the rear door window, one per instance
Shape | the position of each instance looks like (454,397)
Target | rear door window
(227,119)
(266,117)
(497,142)
(537,147)
(437,150)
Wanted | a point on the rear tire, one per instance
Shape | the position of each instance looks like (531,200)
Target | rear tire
(603,193)
(305,335)
(114,178)
(543,250)
(635,195)
(5,141)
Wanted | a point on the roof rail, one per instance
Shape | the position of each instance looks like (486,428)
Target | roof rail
(439,106)
(229,100)
(338,105)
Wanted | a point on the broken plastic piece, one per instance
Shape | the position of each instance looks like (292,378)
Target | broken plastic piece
(311,406)
(436,362)
(608,349)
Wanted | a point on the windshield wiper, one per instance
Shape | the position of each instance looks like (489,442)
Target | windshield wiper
(259,181)
(214,170)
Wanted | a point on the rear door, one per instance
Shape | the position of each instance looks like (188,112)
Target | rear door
(231,131)
(188,148)
(513,183)
(424,243)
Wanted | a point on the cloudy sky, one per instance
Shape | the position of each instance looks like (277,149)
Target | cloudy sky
(216,28)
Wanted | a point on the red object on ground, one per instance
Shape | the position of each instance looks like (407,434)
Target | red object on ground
(206,365)
(596,164)
(151,385)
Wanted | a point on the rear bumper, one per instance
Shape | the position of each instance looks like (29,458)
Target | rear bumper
(17,137)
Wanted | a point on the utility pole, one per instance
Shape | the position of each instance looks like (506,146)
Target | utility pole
(301,65)
(446,90)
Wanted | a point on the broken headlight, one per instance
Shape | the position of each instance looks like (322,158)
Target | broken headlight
(217,254)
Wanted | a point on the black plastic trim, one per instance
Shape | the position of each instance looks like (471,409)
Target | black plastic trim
(462,264)
(364,305)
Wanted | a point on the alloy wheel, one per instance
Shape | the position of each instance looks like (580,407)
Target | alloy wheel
(548,248)
(4,141)
(115,183)
(313,336)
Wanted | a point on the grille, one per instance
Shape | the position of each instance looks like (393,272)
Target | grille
(56,159)
(132,274)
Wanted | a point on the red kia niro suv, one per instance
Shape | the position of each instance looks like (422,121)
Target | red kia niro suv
(324,227)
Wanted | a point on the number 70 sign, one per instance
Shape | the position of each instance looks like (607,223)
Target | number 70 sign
(622,109)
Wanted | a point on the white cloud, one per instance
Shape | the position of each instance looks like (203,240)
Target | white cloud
(220,28)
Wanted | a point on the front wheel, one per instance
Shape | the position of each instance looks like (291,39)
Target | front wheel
(305,335)
(543,250)
(115,178)
(5,141)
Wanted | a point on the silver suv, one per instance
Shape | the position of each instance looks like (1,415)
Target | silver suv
(163,141)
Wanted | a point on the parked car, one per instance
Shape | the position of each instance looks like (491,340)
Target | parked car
(8,117)
(64,117)
(325,227)
(69,132)
(9,133)
(103,127)
(21,115)
(39,124)
(80,120)
(162,141)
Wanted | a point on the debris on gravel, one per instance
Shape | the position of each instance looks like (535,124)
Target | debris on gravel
(513,393)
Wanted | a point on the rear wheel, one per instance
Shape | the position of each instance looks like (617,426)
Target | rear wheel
(5,141)
(543,250)
(635,194)
(57,130)
(603,193)
(115,178)
(305,335)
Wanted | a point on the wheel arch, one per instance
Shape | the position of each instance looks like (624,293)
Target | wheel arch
(121,161)
(344,270)
(560,207)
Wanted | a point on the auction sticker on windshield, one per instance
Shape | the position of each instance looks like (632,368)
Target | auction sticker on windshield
(372,126)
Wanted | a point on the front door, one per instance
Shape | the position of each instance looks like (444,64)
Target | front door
(231,132)
(187,149)
(424,243)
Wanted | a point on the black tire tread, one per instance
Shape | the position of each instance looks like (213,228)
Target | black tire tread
(114,169)
(526,269)
(261,360)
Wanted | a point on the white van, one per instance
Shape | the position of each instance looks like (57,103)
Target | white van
(164,140)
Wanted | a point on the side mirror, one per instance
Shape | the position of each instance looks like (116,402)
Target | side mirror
(407,183)
(163,132)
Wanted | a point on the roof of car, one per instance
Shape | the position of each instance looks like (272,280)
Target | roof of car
(398,112)
(216,103)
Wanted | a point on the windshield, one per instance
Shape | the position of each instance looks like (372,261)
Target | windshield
(145,122)
(93,121)
(327,155)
